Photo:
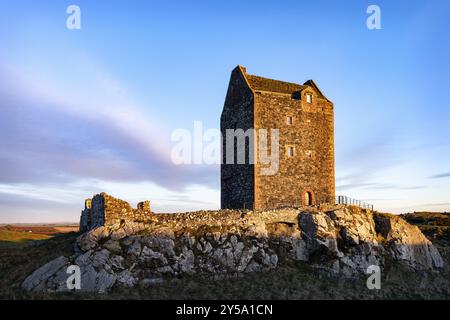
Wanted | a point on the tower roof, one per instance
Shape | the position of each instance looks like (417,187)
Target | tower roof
(258,83)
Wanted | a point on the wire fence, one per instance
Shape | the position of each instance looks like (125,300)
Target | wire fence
(353,202)
(345,200)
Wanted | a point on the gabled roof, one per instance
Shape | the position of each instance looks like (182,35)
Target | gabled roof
(258,83)
(264,84)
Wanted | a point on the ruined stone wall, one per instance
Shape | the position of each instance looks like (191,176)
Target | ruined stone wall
(105,210)
(311,133)
(237,180)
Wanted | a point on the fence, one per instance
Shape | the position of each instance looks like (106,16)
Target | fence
(317,202)
(353,202)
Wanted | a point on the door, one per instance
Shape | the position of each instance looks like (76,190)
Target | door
(308,198)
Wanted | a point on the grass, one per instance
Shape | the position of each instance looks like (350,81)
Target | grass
(435,225)
(291,280)
(19,238)
(17,262)
(428,218)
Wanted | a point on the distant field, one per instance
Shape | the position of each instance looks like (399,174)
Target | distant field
(11,236)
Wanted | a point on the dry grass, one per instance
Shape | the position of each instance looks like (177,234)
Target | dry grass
(17,262)
(434,225)
(19,238)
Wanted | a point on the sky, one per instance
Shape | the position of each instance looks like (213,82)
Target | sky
(92,110)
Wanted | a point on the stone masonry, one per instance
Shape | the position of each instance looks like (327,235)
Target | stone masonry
(305,119)
(105,210)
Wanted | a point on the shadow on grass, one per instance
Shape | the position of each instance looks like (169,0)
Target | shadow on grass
(19,261)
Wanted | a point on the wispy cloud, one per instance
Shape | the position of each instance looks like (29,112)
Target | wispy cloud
(48,135)
(377,186)
(435,204)
(441,175)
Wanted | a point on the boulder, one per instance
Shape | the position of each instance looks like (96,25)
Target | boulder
(39,280)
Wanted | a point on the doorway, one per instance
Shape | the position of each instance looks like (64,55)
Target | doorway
(308,200)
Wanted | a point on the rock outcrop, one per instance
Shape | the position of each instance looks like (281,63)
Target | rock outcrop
(342,240)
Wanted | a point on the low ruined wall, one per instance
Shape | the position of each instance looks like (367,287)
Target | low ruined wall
(105,210)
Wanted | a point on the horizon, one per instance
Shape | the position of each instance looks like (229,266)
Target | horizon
(93,110)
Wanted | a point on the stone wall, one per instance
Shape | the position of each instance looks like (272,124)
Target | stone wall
(105,210)
(311,134)
(237,180)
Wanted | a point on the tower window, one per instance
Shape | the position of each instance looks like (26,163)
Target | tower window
(290,151)
(309,98)
(289,121)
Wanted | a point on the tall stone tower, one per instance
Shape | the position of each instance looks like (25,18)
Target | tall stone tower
(304,118)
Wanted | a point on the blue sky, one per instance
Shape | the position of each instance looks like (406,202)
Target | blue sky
(91,110)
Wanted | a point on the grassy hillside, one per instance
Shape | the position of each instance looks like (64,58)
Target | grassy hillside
(435,225)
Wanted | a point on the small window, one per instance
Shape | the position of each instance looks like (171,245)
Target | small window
(289,121)
(309,98)
(290,151)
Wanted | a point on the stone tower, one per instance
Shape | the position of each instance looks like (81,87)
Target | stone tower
(304,118)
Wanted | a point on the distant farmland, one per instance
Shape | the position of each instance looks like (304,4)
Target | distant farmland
(18,235)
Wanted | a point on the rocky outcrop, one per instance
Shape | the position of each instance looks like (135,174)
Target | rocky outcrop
(342,240)
(407,243)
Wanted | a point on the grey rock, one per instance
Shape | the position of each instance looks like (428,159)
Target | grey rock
(126,279)
(39,277)
(89,240)
(135,249)
(113,246)
(153,258)
(149,282)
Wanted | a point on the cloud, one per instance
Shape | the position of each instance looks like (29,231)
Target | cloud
(49,136)
(23,209)
(376,186)
(441,175)
(435,204)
